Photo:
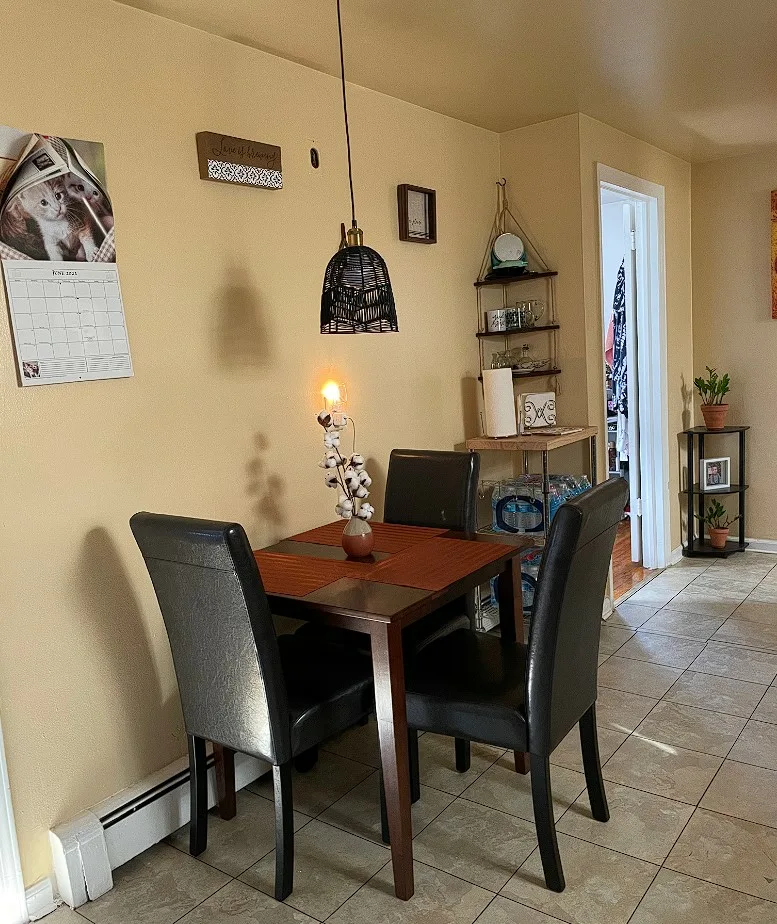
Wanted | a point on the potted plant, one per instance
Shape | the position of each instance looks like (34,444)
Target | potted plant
(712,390)
(718,522)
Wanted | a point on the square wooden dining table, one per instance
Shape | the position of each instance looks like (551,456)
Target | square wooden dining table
(411,572)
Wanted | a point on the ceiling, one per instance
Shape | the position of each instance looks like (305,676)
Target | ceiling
(695,77)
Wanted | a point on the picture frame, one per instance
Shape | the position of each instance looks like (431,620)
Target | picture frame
(715,474)
(417,213)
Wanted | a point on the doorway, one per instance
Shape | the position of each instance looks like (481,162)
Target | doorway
(631,235)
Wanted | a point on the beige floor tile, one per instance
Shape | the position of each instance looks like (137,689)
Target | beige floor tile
(729,852)
(747,634)
(359,743)
(157,887)
(765,614)
(359,811)
(568,754)
(621,711)
(765,592)
(501,788)
(745,561)
(601,658)
(684,625)
(737,663)
(438,765)
(662,649)
(438,897)
(720,694)
(656,595)
(329,866)
(677,899)
(603,887)
(744,791)
(235,845)
(504,911)
(631,615)
(694,729)
(476,843)
(665,770)
(238,903)
(331,778)
(641,824)
(756,745)
(733,587)
(704,603)
(64,915)
(639,677)
(611,638)
(767,708)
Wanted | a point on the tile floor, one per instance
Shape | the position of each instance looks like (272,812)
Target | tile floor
(688,734)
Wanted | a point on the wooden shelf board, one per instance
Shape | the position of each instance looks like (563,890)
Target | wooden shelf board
(705,550)
(538,374)
(731,489)
(517,330)
(531,442)
(505,278)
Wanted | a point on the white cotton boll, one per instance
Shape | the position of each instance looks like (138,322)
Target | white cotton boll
(341,512)
(364,478)
(351,479)
(345,502)
(361,491)
(325,419)
(332,439)
(366,511)
(329,460)
(357,462)
(330,480)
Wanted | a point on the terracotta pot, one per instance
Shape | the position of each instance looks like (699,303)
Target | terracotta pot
(358,539)
(714,415)
(718,536)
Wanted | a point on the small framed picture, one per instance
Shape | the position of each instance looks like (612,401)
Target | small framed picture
(715,474)
(417,210)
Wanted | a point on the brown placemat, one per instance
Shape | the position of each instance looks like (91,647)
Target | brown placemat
(296,575)
(435,564)
(389,537)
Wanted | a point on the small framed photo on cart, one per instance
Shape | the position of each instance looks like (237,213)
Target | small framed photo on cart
(417,210)
(715,474)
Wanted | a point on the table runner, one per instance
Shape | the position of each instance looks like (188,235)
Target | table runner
(389,537)
(296,575)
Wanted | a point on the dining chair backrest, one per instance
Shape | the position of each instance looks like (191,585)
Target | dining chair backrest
(435,488)
(221,632)
(567,613)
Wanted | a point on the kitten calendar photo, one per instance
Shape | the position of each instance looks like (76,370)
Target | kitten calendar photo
(59,260)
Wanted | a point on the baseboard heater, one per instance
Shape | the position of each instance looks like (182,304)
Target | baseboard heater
(87,848)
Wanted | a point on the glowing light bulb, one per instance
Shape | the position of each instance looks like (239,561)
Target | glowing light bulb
(331,393)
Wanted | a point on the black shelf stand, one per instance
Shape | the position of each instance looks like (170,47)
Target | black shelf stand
(696,494)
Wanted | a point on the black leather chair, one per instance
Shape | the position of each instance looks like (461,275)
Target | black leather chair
(241,686)
(528,697)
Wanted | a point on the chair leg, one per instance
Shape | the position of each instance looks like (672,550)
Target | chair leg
(284,831)
(589,742)
(542,797)
(304,762)
(384,828)
(198,795)
(415,768)
(463,755)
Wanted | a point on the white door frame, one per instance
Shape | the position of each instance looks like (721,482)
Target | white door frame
(13,906)
(652,345)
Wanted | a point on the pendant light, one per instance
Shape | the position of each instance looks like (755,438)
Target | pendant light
(356,297)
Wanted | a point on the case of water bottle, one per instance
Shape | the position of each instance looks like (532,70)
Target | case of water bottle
(518,505)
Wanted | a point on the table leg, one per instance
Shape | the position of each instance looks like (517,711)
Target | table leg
(224,759)
(511,624)
(389,672)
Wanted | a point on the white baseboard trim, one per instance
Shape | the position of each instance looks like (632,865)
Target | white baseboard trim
(762,545)
(88,847)
(40,900)
(675,555)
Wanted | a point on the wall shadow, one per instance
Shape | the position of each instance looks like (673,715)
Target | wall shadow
(114,630)
(267,491)
(242,338)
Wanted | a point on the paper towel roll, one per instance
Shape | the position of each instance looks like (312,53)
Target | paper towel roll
(498,402)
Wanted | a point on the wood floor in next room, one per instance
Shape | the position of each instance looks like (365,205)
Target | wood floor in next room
(626,573)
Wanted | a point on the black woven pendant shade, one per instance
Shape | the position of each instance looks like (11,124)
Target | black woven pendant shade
(356,297)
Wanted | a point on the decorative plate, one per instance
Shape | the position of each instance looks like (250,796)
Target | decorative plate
(508,247)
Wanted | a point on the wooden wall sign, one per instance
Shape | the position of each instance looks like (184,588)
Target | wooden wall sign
(225,159)
(774,254)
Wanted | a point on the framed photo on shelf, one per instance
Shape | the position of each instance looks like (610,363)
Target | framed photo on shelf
(417,211)
(715,474)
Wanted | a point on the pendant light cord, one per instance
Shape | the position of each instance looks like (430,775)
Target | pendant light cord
(345,113)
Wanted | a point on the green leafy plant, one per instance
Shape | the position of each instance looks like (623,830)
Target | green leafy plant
(714,388)
(716,516)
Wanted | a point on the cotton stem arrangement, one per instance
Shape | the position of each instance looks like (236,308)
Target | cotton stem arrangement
(347,474)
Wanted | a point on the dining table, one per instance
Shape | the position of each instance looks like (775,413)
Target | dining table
(411,572)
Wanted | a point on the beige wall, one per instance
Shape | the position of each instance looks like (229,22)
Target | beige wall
(733,329)
(600,143)
(221,289)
